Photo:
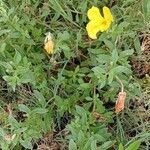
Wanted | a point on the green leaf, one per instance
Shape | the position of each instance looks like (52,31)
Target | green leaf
(81,111)
(127,3)
(48,121)
(4,32)
(121,147)
(12,81)
(123,25)
(26,144)
(106,145)
(101,74)
(27,77)
(137,45)
(39,111)
(14,123)
(98,71)
(109,44)
(127,53)
(72,145)
(93,145)
(65,36)
(118,71)
(40,98)
(7,66)
(24,108)
(67,51)
(87,145)
(102,81)
(110,76)
(85,85)
(103,58)
(100,138)
(2,133)
(114,56)
(2,47)
(21,130)
(80,135)
(134,146)
(122,69)
(17,57)
(99,106)
(146,8)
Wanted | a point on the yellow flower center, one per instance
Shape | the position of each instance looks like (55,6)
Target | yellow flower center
(104,22)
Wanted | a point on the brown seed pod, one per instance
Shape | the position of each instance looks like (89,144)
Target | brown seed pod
(121,98)
(120,102)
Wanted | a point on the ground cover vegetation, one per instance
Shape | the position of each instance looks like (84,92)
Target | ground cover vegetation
(74,75)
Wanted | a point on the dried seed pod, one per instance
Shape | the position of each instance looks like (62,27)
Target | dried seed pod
(120,102)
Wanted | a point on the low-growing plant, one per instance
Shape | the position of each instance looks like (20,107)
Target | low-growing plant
(67,66)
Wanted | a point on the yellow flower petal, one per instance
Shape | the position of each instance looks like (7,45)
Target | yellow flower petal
(107,14)
(97,22)
(49,47)
(93,27)
(94,14)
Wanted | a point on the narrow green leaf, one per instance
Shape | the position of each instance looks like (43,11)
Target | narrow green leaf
(121,147)
(137,45)
(39,111)
(134,146)
(2,47)
(110,76)
(114,56)
(146,7)
(23,108)
(40,98)
(26,144)
(106,145)
(127,53)
(17,57)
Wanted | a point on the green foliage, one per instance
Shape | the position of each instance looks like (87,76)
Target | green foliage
(79,80)
(146,10)
(135,145)
(17,71)
(87,134)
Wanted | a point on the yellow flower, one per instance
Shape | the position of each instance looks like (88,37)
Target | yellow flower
(48,44)
(97,22)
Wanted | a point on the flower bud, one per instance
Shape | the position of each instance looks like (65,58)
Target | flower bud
(49,44)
